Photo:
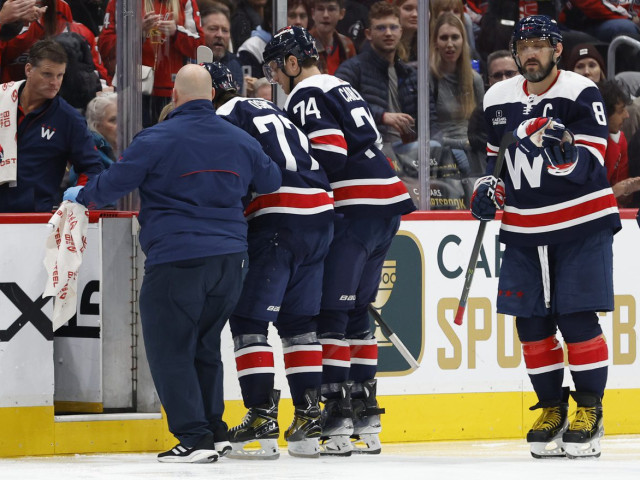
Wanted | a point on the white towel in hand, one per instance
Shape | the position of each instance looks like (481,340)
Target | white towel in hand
(63,257)
(8,132)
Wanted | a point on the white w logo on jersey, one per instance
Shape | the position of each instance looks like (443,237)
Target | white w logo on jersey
(522,165)
(46,133)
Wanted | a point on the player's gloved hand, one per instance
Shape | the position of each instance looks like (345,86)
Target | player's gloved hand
(488,195)
(537,133)
(71,193)
(561,159)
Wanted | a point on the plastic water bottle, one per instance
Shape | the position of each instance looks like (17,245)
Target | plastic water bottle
(475,64)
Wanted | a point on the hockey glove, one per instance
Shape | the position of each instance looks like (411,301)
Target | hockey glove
(538,133)
(488,195)
(561,159)
(71,193)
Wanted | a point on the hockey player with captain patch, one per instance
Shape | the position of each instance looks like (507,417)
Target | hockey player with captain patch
(559,219)
(369,200)
(289,235)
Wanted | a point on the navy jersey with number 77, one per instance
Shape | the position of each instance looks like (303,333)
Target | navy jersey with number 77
(305,194)
(347,144)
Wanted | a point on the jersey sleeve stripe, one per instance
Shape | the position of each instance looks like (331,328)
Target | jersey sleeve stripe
(329,148)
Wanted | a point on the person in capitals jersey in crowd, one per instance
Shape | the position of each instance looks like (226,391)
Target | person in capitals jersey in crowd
(559,219)
(369,200)
(289,235)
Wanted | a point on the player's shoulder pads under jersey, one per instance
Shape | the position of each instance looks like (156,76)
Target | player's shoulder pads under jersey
(323,82)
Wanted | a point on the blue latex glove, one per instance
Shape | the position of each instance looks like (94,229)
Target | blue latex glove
(71,193)
(488,196)
(561,159)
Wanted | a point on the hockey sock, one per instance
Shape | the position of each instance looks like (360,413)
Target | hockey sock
(254,363)
(303,364)
(364,360)
(545,365)
(588,364)
(336,361)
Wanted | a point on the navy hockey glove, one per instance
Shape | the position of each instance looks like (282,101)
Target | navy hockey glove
(537,133)
(71,193)
(488,195)
(561,159)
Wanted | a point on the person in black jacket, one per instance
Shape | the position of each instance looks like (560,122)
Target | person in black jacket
(387,84)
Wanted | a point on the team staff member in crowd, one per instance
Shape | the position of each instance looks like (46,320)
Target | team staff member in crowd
(371,199)
(192,170)
(49,133)
(289,235)
(558,224)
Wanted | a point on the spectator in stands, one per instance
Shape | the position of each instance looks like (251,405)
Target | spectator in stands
(41,133)
(333,47)
(102,120)
(616,158)
(249,15)
(261,89)
(587,61)
(408,48)
(216,27)
(172,33)
(500,66)
(14,14)
(355,21)
(455,90)
(438,7)
(602,19)
(386,83)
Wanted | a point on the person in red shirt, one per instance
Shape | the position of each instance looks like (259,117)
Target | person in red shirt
(616,158)
(333,47)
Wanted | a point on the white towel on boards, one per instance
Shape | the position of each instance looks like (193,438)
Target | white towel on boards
(63,256)
(9,132)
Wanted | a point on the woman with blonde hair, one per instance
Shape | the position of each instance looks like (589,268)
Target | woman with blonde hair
(408,47)
(455,89)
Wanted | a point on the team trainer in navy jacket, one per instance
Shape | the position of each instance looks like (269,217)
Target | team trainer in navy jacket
(192,170)
(50,133)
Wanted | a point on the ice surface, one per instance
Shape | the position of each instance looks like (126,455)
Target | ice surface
(495,460)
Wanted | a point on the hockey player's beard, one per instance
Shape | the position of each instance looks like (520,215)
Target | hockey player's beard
(540,74)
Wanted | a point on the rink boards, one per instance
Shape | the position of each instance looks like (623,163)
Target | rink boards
(471,383)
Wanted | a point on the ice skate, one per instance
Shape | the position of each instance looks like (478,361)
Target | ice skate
(545,437)
(366,421)
(304,432)
(582,439)
(260,425)
(337,425)
(203,452)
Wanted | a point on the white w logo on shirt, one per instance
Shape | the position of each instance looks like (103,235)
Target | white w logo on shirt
(46,133)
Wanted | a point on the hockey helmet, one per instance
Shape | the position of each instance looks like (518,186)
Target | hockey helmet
(291,40)
(221,78)
(536,26)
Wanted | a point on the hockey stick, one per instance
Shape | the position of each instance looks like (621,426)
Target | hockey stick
(204,55)
(393,338)
(507,140)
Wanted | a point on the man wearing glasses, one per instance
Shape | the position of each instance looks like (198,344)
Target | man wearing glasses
(386,83)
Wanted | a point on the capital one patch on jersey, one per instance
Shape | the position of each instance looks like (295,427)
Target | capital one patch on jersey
(499,119)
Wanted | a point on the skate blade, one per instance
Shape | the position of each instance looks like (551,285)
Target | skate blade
(199,456)
(264,450)
(366,444)
(307,448)
(338,446)
(553,449)
(584,450)
(223,448)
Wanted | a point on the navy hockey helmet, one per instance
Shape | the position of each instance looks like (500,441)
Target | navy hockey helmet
(536,26)
(291,40)
(221,78)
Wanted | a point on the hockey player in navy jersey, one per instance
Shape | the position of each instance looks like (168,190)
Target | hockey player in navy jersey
(558,224)
(290,231)
(369,200)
